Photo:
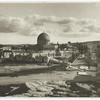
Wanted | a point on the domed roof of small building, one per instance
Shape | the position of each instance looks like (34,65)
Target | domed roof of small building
(43,38)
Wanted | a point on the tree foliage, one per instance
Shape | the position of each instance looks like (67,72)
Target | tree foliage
(82,48)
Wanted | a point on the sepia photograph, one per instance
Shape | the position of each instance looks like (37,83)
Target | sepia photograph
(50,49)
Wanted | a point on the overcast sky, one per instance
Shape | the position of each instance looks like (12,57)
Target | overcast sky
(22,23)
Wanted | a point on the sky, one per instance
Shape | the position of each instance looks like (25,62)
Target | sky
(22,23)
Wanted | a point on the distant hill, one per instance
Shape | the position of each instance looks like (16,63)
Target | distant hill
(92,45)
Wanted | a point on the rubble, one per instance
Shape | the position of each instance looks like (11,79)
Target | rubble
(52,89)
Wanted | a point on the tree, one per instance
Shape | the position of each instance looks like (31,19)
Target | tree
(82,48)
(63,46)
(98,59)
(98,52)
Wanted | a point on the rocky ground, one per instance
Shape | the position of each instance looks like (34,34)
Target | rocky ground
(46,84)
(52,89)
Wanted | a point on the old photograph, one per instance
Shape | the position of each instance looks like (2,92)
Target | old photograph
(50,49)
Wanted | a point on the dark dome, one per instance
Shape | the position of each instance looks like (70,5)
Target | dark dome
(43,39)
